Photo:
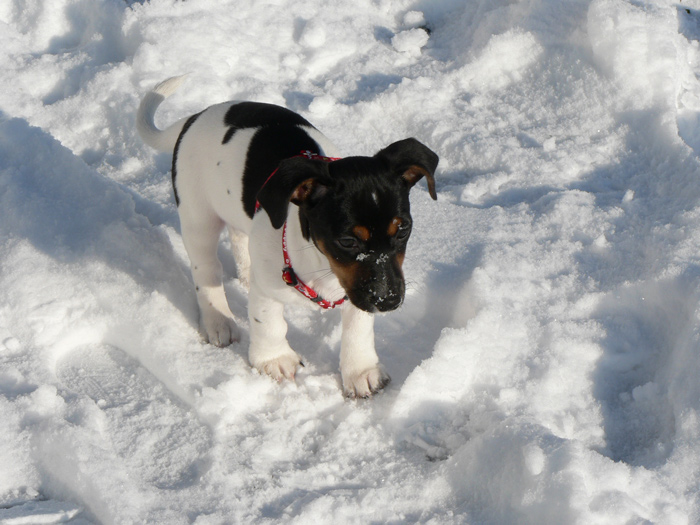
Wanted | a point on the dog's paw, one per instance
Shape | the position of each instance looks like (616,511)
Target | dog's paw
(282,367)
(220,330)
(365,383)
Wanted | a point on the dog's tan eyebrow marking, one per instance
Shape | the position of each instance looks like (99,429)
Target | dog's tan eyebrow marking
(393,226)
(361,233)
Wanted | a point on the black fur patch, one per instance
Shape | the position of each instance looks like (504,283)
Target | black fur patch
(278,137)
(187,125)
(276,194)
(258,114)
(268,147)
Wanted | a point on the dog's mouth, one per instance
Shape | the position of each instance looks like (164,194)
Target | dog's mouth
(387,303)
(376,296)
(373,284)
(377,293)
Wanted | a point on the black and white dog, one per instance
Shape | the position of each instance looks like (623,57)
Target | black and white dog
(343,241)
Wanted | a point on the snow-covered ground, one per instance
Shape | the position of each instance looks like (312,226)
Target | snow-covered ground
(546,362)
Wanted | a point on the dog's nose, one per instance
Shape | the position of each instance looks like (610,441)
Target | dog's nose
(385,302)
(389,304)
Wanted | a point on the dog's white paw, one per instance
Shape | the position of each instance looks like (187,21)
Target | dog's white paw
(282,367)
(220,330)
(365,383)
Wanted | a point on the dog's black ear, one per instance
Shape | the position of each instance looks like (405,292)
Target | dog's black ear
(298,180)
(413,161)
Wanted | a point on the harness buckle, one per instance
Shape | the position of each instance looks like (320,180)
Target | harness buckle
(289,277)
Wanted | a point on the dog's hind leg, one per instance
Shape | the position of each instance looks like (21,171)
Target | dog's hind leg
(239,247)
(200,234)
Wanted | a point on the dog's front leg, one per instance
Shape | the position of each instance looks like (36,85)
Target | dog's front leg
(360,369)
(269,350)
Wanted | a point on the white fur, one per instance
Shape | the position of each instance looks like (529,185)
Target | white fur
(209,185)
(163,140)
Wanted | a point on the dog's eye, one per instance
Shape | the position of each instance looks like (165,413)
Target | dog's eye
(348,243)
(404,231)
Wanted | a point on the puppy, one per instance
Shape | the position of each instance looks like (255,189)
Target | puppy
(342,243)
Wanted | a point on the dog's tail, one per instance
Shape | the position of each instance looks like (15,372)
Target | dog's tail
(165,139)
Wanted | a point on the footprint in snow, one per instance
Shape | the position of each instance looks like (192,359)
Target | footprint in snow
(159,438)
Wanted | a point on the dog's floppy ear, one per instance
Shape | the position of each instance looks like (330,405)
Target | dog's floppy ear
(413,161)
(297,180)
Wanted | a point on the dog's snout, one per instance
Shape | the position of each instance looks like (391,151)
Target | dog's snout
(389,302)
(384,296)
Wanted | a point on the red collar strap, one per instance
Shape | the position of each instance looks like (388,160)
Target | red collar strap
(290,277)
(288,274)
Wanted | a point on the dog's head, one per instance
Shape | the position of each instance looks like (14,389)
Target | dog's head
(356,211)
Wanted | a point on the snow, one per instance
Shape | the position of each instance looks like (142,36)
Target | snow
(545,361)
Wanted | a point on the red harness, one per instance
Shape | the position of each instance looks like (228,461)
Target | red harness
(288,274)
